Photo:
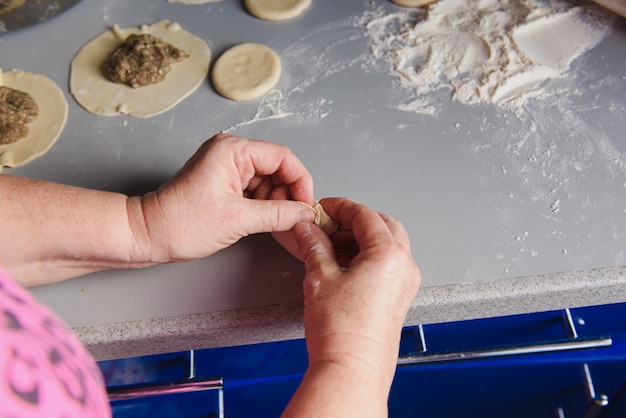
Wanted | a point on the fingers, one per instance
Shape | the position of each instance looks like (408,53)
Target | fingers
(258,161)
(275,215)
(316,250)
(397,230)
(361,229)
(361,226)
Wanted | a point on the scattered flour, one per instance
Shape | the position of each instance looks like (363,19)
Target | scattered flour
(483,51)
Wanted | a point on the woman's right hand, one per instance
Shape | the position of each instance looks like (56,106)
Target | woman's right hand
(359,284)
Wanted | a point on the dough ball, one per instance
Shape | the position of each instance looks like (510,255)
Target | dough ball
(94,91)
(47,126)
(413,3)
(246,71)
(277,9)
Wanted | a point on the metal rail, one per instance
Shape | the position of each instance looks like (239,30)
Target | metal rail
(518,350)
(572,342)
(183,386)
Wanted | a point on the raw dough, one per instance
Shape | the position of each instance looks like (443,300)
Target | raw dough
(325,222)
(287,240)
(246,71)
(46,128)
(413,3)
(277,9)
(93,90)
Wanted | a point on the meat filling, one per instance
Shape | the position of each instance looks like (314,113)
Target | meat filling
(17,109)
(143,60)
(8,5)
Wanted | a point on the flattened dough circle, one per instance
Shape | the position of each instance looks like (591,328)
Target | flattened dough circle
(94,91)
(413,3)
(246,71)
(47,126)
(277,9)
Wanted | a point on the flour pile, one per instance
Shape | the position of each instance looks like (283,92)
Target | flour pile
(484,51)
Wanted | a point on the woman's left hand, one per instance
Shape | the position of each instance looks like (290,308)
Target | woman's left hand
(230,188)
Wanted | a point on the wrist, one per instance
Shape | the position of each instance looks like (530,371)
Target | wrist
(332,389)
(145,249)
(372,359)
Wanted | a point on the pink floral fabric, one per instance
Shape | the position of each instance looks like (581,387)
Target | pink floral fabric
(44,369)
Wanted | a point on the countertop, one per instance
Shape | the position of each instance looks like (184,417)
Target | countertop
(509,210)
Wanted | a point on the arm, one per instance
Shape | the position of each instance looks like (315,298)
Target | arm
(52,231)
(230,188)
(353,316)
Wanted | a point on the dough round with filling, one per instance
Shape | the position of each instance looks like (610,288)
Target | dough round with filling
(413,3)
(94,91)
(246,71)
(47,126)
(277,9)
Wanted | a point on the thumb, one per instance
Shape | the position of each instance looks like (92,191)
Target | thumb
(316,250)
(276,215)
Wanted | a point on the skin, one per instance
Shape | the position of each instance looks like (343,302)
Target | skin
(353,315)
(359,282)
(218,197)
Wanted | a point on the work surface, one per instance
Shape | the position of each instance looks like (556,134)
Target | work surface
(509,209)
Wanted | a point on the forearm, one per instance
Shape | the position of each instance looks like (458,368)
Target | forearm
(333,390)
(51,232)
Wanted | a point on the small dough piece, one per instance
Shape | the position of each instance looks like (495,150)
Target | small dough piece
(325,222)
(93,90)
(413,3)
(277,9)
(288,241)
(46,128)
(246,71)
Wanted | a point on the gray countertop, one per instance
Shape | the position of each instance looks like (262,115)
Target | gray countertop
(508,210)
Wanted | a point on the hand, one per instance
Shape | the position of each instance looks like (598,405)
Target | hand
(230,188)
(353,316)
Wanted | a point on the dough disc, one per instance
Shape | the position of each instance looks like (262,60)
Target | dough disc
(47,126)
(246,71)
(94,91)
(277,9)
(413,3)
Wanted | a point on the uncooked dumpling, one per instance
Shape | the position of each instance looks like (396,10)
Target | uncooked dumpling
(246,71)
(94,91)
(46,128)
